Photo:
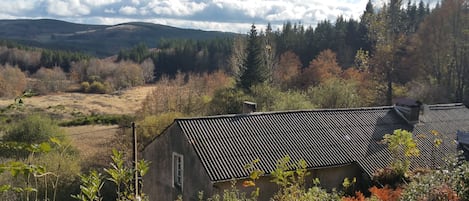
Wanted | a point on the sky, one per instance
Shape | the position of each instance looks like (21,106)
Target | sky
(216,15)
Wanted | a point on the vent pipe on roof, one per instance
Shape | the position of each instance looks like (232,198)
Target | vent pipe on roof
(249,107)
(408,109)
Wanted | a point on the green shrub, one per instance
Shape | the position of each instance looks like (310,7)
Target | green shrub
(460,180)
(335,93)
(48,173)
(85,86)
(103,119)
(153,125)
(227,101)
(34,129)
(435,185)
(120,173)
(97,87)
(270,98)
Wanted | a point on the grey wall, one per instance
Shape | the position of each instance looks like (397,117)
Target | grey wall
(330,178)
(158,181)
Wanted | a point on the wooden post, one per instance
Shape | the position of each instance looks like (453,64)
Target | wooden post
(134,133)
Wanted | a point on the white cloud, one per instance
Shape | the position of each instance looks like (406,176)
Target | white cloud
(16,6)
(306,11)
(99,3)
(67,8)
(109,11)
(128,10)
(136,2)
(175,8)
(205,25)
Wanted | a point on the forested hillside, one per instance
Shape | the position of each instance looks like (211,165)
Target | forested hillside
(97,40)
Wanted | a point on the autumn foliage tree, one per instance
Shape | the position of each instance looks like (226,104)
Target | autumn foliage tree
(50,80)
(188,94)
(321,69)
(386,193)
(12,81)
(25,59)
(111,75)
(148,70)
(287,70)
(439,50)
(386,32)
(125,75)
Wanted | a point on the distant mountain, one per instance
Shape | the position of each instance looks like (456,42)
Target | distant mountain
(99,40)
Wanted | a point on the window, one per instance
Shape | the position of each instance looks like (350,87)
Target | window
(178,170)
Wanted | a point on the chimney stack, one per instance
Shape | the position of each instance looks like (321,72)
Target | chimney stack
(249,107)
(408,109)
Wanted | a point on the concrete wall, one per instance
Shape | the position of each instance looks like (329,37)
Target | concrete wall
(333,177)
(330,178)
(267,188)
(158,182)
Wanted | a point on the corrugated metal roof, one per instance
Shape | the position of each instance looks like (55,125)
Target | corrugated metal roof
(446,120)
(225,144)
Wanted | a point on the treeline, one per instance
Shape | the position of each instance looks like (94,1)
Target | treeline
(32,59)
(396,50)
(174,56)
(343,36)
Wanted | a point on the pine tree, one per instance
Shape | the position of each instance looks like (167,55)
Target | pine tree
(254,67)
(363,29)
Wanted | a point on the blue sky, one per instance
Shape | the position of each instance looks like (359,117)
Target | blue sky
(220,15)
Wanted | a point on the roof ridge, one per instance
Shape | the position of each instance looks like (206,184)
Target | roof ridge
(286,112)
(445,105)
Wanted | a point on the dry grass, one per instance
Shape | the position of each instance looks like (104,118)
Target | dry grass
(94,143)
(71,103)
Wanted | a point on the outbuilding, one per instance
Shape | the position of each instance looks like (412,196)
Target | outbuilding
(205,154)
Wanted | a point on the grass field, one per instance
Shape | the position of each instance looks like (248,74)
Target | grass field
(128,102)
(93,142)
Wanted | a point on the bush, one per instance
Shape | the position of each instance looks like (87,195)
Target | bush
(460,180)
(387,176)
(85,86)
(227,101)
(120,173)
(153,125)
(273,99)
(48,173)
(335,93)
(95,119)
(386,193)
(97,87)
(431,186)
(34,129)
(66,167)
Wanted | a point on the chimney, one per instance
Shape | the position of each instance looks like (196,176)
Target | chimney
(408,109)
(249,107)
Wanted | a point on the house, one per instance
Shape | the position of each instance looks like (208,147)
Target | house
(207,153)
